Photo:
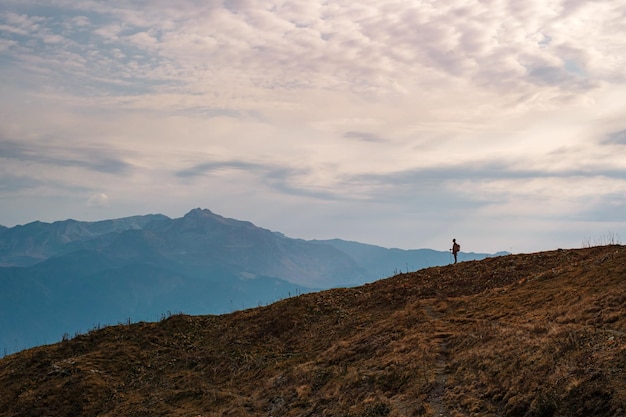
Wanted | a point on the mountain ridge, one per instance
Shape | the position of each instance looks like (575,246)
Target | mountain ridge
(37,241)
(69,276)
(540,334)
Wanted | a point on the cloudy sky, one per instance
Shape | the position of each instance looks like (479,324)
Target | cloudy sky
(400,123)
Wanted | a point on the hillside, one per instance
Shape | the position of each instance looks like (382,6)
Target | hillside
(540,334)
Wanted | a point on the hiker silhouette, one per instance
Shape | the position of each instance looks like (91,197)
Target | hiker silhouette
(456,248)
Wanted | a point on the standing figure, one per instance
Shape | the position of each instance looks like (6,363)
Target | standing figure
(455,248)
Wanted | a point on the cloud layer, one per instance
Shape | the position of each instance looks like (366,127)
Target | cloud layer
(396,123)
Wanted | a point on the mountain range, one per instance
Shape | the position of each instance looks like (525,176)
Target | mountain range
(66,277)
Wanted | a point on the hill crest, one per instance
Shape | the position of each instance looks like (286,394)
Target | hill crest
(540,334)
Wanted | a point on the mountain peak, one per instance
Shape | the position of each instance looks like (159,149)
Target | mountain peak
(199,216)
(199,212)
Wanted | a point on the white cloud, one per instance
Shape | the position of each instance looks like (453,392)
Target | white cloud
(317,102)
(6,44)
(98,200)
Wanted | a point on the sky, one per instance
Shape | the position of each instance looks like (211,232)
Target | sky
(398,123)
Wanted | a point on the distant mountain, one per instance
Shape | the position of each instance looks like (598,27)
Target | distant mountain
(70,276)
(34,242)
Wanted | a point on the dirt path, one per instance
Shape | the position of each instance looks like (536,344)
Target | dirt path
(435,400)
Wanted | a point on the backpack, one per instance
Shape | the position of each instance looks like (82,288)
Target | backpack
(456,247)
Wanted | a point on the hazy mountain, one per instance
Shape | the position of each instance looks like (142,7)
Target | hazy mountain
(538,334)
(69,276)
(34,242)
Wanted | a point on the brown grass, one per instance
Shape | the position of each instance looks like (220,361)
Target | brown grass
(525,335)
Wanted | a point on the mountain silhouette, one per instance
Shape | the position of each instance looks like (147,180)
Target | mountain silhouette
(66,277)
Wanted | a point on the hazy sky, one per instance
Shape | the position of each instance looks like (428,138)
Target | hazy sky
(398,123)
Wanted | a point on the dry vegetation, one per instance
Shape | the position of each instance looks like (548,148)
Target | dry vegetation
(521,335)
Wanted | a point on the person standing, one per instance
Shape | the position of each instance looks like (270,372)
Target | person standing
(456,248)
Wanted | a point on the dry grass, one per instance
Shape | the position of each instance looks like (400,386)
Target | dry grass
(526,335)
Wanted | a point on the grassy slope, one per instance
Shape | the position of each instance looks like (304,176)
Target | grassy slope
(522,335)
